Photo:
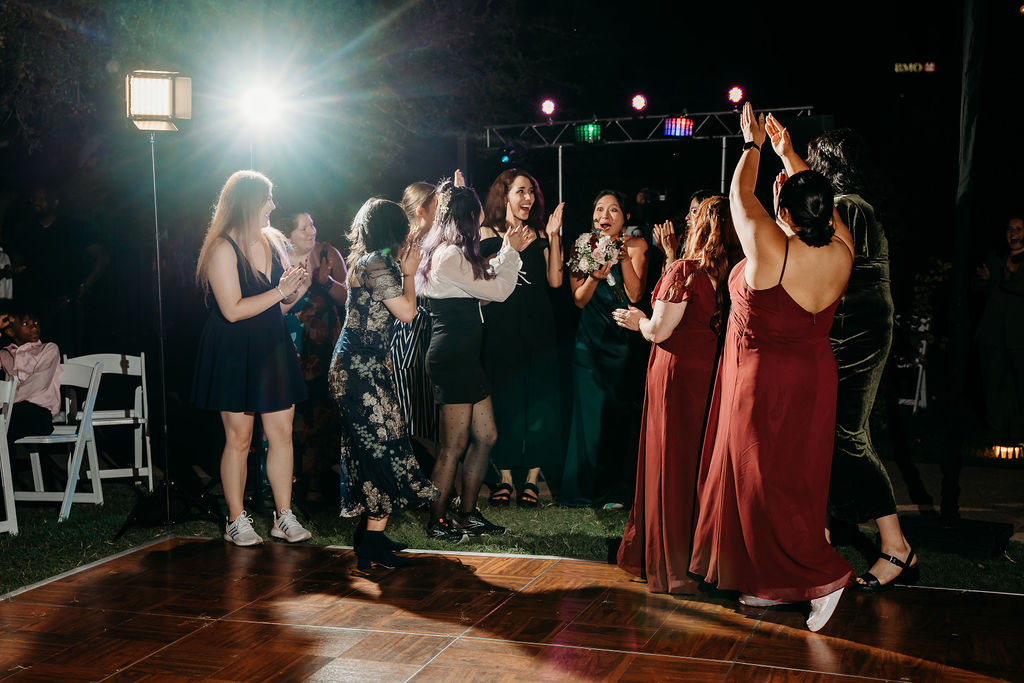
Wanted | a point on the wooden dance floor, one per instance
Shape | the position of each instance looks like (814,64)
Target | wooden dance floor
(193,609)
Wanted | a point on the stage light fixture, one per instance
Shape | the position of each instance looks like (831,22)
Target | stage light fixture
(639,102)
(588,132)
(735,94)
(260,107)
(547,107)
(155,98)
(679,127)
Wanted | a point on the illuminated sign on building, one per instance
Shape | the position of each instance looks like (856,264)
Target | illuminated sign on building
(914,67)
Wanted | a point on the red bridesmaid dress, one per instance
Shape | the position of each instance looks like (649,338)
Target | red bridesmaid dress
(656,542)
(767,455)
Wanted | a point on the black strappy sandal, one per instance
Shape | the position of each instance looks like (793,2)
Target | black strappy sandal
(501,496)
(908,574)
(528,501)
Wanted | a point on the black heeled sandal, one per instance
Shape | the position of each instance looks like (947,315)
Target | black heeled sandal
(908,574)
(531,500)
(374,550)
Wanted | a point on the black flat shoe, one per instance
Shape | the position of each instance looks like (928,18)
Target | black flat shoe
(529,497)
(908,574)
(501,496)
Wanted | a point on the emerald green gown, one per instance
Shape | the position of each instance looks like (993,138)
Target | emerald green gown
(596,452)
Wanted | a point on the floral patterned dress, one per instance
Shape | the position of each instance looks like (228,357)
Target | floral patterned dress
(375,448)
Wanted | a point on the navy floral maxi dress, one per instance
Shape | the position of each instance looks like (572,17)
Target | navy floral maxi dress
(375,448)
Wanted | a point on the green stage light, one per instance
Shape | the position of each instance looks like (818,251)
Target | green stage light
(588,132)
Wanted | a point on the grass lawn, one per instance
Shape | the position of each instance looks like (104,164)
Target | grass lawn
(44,548)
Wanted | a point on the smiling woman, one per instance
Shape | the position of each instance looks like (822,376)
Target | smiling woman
(519,342)
(597,456)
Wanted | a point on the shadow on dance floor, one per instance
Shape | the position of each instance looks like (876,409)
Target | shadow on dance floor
(194,609)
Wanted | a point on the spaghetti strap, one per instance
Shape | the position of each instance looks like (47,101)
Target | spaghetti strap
(784,260)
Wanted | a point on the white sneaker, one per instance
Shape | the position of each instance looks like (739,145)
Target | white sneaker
(822,609)
(240,531)
(754,601)
(288,528)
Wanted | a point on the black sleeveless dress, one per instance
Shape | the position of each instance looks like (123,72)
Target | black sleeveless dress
(248,366)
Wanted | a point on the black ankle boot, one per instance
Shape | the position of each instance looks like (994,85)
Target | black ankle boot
(360,531)
(375,550)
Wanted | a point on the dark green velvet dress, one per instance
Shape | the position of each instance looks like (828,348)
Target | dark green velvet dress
(861,336)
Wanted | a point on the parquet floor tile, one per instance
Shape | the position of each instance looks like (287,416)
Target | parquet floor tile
(188,610)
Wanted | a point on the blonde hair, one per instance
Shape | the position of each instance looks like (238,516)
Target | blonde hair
(238,209)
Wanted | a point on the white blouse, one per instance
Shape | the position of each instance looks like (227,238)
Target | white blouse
(451,275)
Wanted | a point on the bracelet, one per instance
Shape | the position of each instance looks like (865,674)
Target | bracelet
(751,144)
(281,292)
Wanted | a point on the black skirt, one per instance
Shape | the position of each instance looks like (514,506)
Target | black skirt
(453,357)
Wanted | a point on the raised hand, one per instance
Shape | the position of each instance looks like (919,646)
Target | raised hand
(554,226)
(409,260)
(459,179)
(666,238)
(779,136)
(752,126)
(323,272)
(520,237)
(780,180)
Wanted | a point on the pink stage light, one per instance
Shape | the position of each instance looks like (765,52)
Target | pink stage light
(639,102)
(735,94)
(548,107)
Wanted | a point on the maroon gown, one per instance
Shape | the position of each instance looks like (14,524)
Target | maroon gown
(768,452)
(656,542)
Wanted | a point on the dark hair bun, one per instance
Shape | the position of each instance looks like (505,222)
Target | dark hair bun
(809,198)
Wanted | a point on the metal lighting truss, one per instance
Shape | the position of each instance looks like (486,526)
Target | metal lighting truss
(618,130)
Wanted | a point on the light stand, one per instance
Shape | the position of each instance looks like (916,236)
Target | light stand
(155,99)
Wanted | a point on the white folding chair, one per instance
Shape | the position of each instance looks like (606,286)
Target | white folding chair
(137,416)
(10,521)
(78,435)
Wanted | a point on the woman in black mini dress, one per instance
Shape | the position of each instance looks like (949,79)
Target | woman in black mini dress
(246,363)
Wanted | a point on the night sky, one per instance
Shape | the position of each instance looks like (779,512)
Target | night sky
(348,66)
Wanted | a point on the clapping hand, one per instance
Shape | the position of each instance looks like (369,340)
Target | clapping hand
(409,259)
(292,279)
(666,239)
(752,126)
(554,226)
(628,317)
(520,237)
(323,272)
(779,136)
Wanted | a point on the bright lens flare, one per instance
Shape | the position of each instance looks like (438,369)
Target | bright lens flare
(548,107)
(735,94)
(639,102)
(260,107)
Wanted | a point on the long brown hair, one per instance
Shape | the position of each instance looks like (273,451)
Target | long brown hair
(496,203)
(416,195)
(713,244)
(238,209)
